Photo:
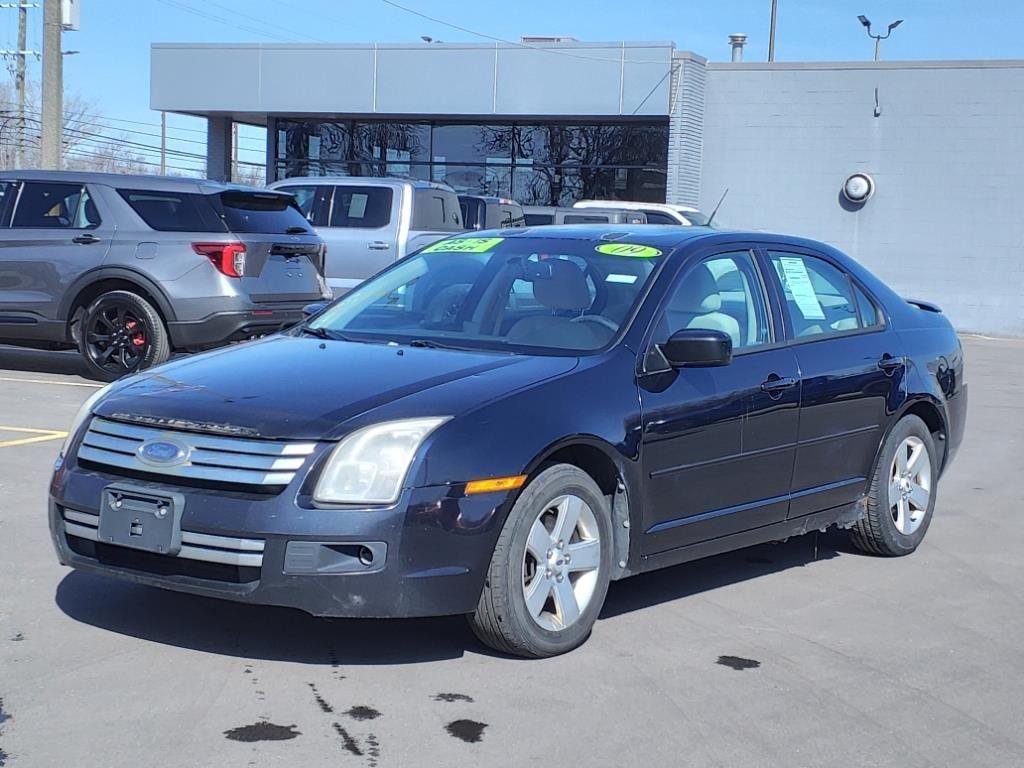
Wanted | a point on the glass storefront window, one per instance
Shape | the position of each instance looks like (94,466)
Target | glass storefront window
(535,163)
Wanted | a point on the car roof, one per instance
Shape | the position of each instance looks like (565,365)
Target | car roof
(129,180)
(664,236)
(379,181)
(632,205)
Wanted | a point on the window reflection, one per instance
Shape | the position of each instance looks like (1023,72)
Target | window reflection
(535,163)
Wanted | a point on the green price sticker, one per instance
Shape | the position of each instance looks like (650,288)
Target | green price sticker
(464,245)
(628,249)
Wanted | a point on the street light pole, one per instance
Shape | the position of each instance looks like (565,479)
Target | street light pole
(771,30)
(878,38)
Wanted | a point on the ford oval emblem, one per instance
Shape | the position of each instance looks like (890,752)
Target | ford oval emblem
(163,452)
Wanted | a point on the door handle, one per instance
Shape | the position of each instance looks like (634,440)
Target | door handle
(890,364)
(378,245)
(85,239)
(775,385)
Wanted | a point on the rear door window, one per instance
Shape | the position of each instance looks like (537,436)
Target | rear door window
(312,199)
(361,207)
(819,297)
(46,205)
(173,211)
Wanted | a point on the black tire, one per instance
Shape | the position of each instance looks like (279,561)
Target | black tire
(502,620)
(121,333)
(876,532)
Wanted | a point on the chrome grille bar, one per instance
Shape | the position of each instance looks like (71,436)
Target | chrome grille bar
(219,459)
(227,550)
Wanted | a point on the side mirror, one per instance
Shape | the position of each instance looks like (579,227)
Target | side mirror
(697,348)
(311,309)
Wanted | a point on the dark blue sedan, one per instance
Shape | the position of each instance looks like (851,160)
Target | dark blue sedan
(500,425)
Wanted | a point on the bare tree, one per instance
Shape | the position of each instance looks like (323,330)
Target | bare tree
(89,145)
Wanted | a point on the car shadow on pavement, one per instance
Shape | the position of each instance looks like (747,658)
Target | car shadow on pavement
(257,631)
(283,634)
(681,581)
(41,361)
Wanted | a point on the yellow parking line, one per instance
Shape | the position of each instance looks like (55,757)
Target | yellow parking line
(51,381)
(39,436)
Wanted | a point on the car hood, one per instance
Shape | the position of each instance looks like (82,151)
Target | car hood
(301,388)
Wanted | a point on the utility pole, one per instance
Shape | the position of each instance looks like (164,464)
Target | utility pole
(19,83)
(771,30)
(163,143)
(53,97)
(234,151)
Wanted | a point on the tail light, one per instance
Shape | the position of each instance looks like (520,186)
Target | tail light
(228,258)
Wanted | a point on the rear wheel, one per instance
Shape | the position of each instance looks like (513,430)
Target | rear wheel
(902,495)
(550,570)
(121,333)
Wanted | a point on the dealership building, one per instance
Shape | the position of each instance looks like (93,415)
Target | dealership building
(549,121)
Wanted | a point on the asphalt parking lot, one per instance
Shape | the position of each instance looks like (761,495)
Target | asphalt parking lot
(795,654)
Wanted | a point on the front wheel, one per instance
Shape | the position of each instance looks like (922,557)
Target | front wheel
(121,333)
(902,494)
(551,567)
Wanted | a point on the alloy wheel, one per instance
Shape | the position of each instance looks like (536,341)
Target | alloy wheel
(910,485)
(561,563)
(117,338)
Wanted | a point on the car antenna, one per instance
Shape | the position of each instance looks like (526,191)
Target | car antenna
(721,200)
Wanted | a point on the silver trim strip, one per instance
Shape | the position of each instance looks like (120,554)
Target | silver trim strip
(227,550)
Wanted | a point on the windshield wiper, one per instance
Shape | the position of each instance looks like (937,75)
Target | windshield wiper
(296,230)
(431,344)
(322,333)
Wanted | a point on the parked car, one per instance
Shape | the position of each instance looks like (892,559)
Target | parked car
(657,213)
(369,223)
(438,448)
(129,268)
(490,212)
(540,215)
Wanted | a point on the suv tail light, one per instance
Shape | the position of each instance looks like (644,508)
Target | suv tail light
(228,258)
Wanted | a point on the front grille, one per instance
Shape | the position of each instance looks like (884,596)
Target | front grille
(200,552)
(227,461)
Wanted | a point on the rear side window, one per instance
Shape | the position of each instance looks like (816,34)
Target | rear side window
(538,219)
(656,217)
(305,198)
(173,211)
(365,207)
(819,297)
(512,216)
(43,205)
(435,209)
(265,213)
(870,317)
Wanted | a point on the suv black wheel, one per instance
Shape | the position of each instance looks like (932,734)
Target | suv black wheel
(551,566)
(122,333)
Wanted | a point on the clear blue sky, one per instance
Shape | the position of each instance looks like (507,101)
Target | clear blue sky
(112,68)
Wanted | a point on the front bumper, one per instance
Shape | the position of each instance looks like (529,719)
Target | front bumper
(430,552)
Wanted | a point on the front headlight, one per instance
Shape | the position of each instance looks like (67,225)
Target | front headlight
(369,466)
(83,413)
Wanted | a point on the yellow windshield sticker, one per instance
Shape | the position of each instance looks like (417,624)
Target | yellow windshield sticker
(464,245)
(628,249)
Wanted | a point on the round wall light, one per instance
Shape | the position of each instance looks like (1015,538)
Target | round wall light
(858,188)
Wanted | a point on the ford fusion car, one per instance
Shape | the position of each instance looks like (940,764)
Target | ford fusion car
(501,424)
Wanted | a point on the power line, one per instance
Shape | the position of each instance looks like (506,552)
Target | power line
(182,6)
(518,44)
(259,20)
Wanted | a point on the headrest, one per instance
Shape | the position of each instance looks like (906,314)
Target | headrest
(560,284)
(698,293)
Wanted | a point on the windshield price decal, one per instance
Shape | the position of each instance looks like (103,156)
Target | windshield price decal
(628,249)
(464,245)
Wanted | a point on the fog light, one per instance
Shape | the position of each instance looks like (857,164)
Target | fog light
(366,556)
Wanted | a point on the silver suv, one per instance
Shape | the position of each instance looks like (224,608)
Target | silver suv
(129,268)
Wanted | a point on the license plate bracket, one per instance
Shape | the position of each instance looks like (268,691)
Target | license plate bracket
(141,518)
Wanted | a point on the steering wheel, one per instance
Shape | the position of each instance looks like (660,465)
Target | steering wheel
(444,307)
(599,320)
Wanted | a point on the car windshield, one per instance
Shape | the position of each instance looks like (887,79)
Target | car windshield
(522,294)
